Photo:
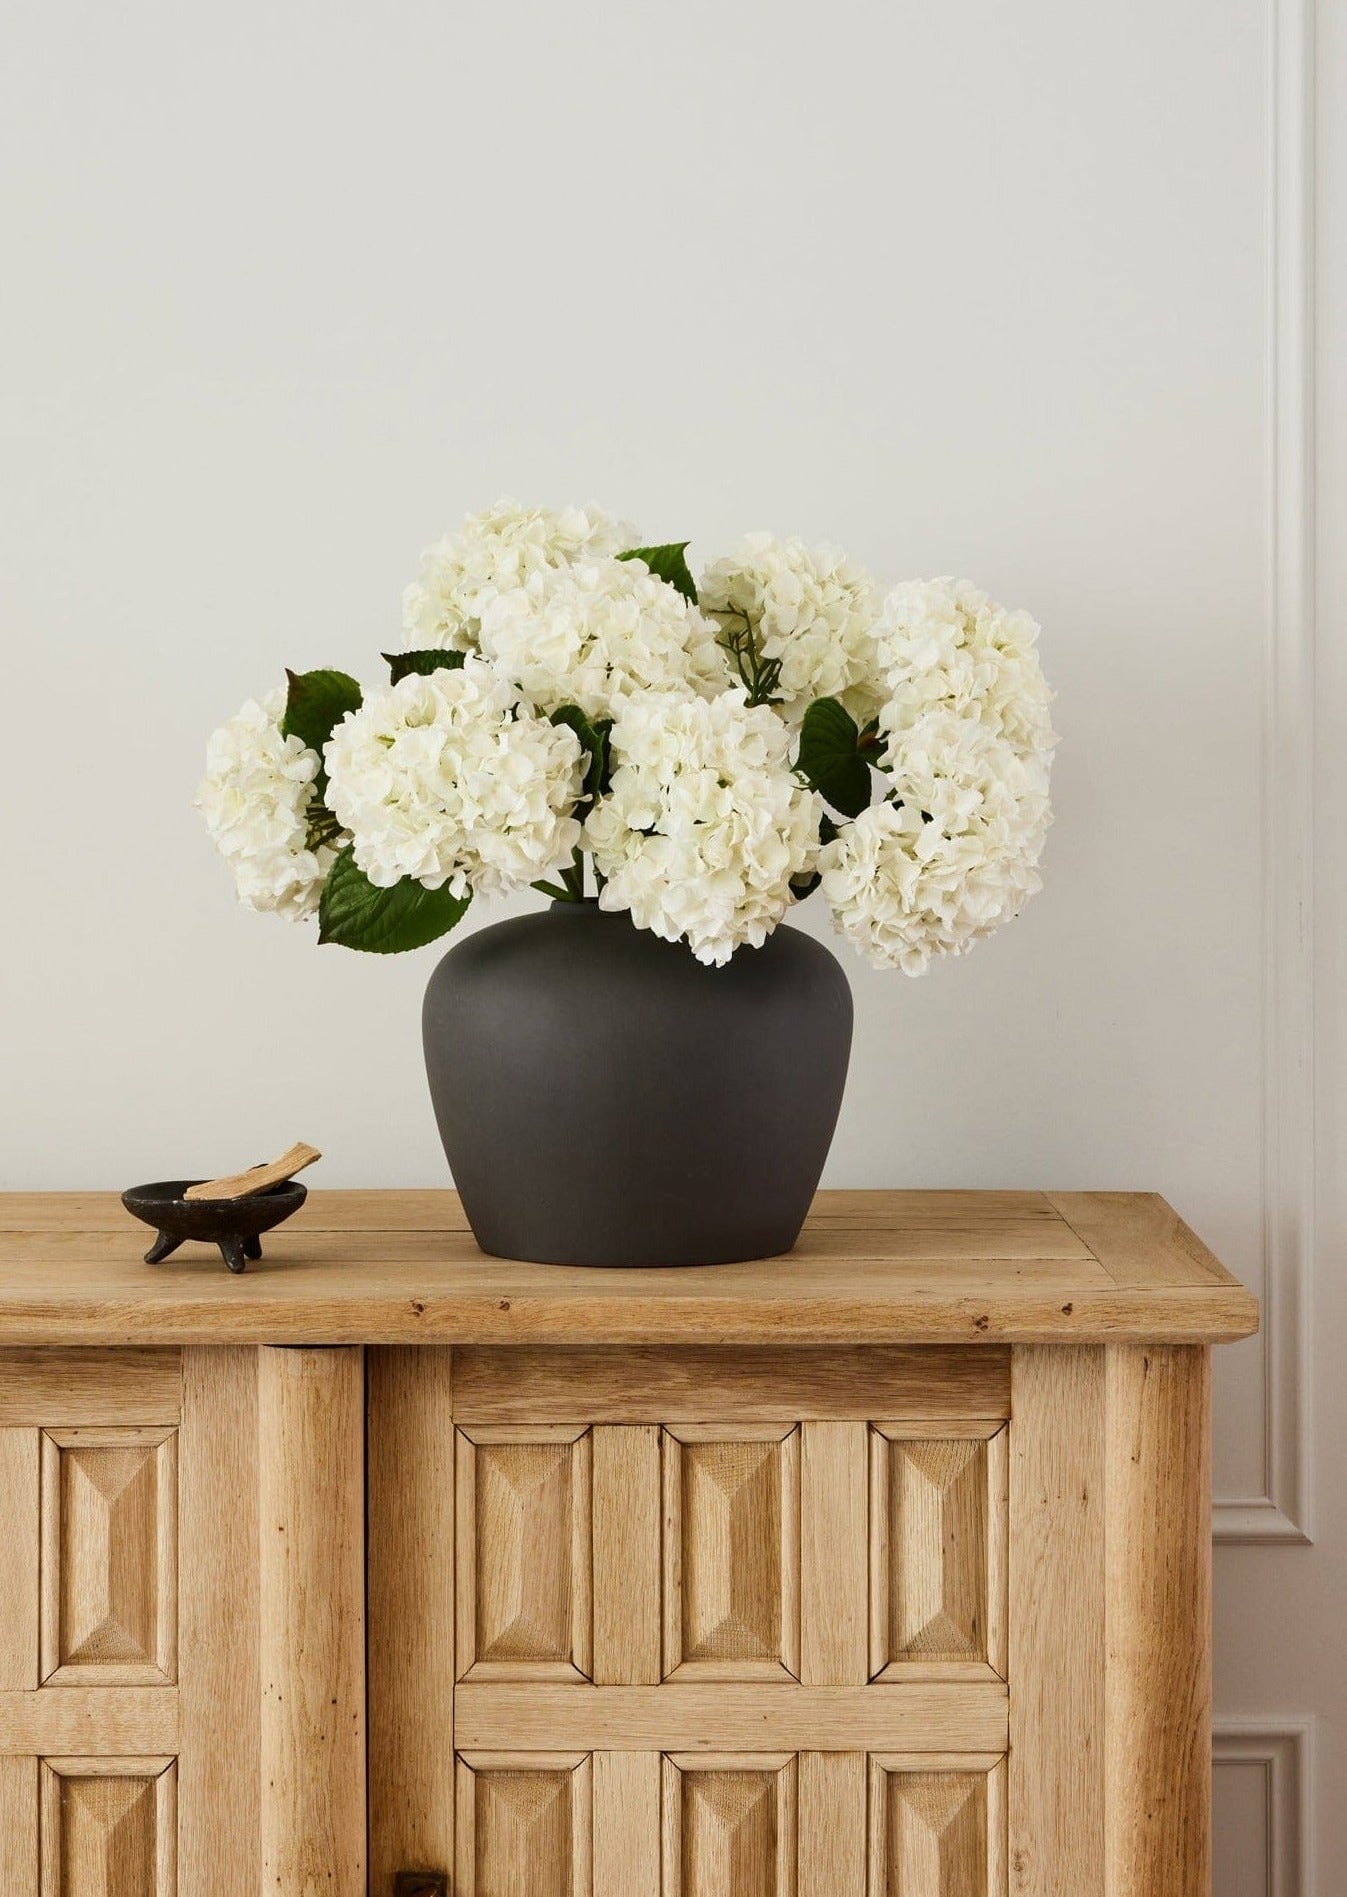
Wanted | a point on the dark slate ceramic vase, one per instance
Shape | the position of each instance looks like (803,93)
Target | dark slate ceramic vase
(604,1099)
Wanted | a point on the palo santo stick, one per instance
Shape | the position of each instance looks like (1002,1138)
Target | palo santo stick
(238,1185)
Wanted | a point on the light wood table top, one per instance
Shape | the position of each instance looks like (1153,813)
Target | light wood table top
(402,1267)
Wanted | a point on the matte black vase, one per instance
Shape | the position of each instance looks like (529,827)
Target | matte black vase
(604,1099)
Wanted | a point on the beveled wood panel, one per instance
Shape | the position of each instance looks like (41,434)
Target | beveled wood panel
(112,1528)
(108,1828)
(915,1268)
(937,1827)
(109,1556)
(938,1502)
(524,1825)
(684,1716)
(731,1547)
(498,1385)
(729,1826)
(524,1555)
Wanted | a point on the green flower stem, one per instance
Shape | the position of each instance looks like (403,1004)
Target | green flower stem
(572,885)
(761,675)
(324,832)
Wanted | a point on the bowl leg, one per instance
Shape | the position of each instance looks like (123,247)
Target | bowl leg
(161,1247)
(231,1250)
(252,1248)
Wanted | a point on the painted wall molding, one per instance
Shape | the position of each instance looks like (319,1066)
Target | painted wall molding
(1284,1747)
(1284,1512)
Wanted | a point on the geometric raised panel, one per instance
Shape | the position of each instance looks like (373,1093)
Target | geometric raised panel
(729,1826)
(938,1540)
(108,1828)
(937,1827)
(109,1557)
(524,1560)
(523,1825)
(731,1552)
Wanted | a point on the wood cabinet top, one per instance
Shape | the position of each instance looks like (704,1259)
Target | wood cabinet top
(402,1267)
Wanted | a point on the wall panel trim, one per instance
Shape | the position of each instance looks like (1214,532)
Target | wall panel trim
(1284,1511)
(1284,1747)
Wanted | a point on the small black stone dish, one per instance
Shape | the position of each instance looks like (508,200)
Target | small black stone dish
(235,1225)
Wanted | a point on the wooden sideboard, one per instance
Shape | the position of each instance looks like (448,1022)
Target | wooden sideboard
(878,1571)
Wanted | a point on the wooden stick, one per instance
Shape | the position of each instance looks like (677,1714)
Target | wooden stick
(238,1185)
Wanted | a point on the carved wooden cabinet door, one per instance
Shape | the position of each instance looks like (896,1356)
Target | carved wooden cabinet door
(713,1623)
(128,1529)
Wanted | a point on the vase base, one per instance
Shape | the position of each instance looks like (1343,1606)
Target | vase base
(582,1258)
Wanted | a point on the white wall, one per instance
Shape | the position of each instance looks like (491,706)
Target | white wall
(974,287)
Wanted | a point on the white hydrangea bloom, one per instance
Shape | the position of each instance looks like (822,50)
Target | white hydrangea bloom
(594,633)
(446,778)
(705,824)
(255,798)
(944,643)
(954,858)
(496,551)
(810,607)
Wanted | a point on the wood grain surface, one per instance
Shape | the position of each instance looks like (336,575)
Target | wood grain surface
(1058,1647)
(219,1785)
(410,1612)
(727,1716)
(312,1533)
(400,1268)
(1158,1608)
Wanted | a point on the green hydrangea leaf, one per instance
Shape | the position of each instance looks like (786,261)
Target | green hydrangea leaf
(356,915)
(315,703)
(830,757)
(400,664)
(669,564)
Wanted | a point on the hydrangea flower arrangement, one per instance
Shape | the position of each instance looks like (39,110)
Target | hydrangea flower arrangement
(570,703)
